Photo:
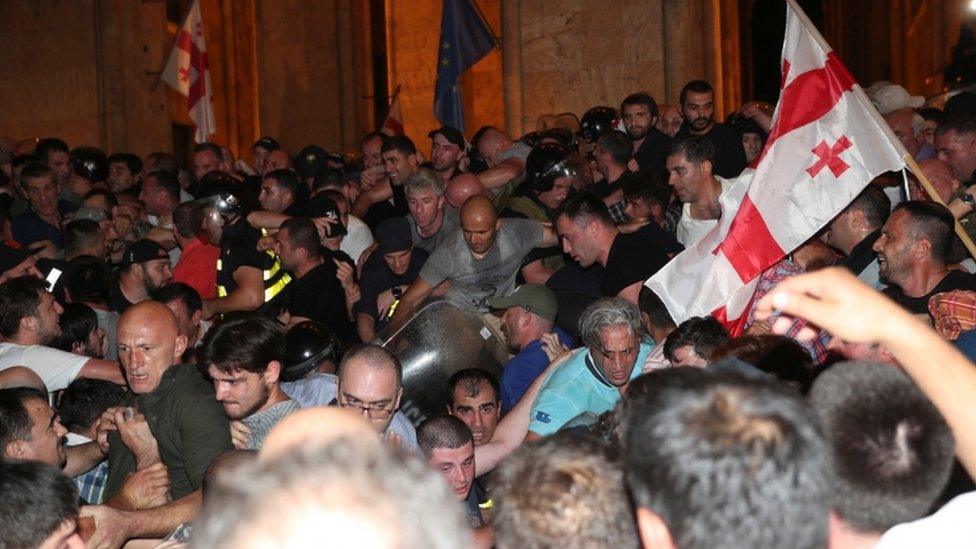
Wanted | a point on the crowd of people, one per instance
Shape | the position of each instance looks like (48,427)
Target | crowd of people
(194,354)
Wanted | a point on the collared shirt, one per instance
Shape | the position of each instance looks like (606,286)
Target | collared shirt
(91,484)
(28,227)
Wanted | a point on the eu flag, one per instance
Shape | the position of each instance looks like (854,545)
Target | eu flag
(465,38)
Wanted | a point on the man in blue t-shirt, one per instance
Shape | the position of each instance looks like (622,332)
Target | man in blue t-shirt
(529,313)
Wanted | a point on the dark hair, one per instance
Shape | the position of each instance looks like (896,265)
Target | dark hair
(185,293)
(82,403)
(442,431)
(929,221)
(22,160)
(963,125)
(375,356)
(932,114)
(563,491)
(168,183)
(287,180)
(35,170)
(244,343)
(702,333)
(132,162)
(303,234)
(88,279)
(211,147)
(328,178)
(651,304)
(581,208)
(19,298)
(695,148)
(724,460)
(160,161)
(891,450)
(875,205)
(640,99)
(695,86)
(400,143)
(373,135)
(108,195)
(778,355)
(37,500)
(48,145)
(618,144)
(183,219)
(649,186)
(77,322)
(478,135)
(472,378)
(80,234)
(15,420)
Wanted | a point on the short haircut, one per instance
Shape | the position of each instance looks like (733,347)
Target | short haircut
(891,451)
(35,170)
(375,356)
(581,208)
(328,178)
(15,420)
(167,182)
(648,186)
(132,162)
(442,431)
(424,180)
(728,461)
(695,86)
(84,401)
(651,304)
(874,204)
(88,278)
(604,313)
(161,161)
(286,179)
(211,147)
(400,143)
(563,491)
(37,500)
(963,125)
(48,145)
(303,234)
(695,148)
(932,114)
(479,135)
(640,99)
(19,298)
(702,333)
(106,194)
(77,322)
(79,235)
(184,219)
(371,136)
(182,292)
(472,380)
(244,343)
(778,355)
(618,144)
(929,221)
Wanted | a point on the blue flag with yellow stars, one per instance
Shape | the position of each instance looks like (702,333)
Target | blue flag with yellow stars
(465,38)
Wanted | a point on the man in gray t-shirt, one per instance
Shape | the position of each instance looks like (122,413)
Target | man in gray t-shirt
(480,261)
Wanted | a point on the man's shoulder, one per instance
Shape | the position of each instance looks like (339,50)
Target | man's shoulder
(570,373)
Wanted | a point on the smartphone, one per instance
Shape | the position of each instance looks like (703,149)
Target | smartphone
(52,278)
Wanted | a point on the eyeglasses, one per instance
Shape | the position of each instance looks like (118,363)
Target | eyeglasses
(374,410)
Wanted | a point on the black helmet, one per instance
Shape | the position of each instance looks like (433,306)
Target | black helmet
(307,344)
(596,121)
(224,193)
(90,163)
(547,163)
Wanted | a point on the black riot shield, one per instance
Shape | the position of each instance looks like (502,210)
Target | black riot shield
(436,342)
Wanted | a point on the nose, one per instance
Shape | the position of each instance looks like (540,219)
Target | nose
(456,477)
(221,391)
(566,247)
(58,308)
(877,244)
(477,421)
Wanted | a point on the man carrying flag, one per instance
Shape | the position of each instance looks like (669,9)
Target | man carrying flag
(465,38)
(187,72)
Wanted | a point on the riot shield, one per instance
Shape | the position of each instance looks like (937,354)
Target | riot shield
(437,341)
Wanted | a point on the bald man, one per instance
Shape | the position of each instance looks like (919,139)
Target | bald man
(480,261)
(187,422)
(505,157)
(316,426)
(461,188)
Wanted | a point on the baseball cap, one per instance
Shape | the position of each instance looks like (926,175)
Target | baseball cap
(534,298)
(310,160)
(394,235)
(321,205)
(12,254)
(267,143)
(892,97)
(143,250)
(451,134)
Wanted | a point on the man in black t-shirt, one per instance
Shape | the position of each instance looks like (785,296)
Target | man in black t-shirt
(589,235)
(698,109)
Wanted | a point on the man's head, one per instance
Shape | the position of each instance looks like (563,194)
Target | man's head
(371,147)
(261,148)
(639,113)
(39,507)
(528,313)
(149,342)
(655,315)
(279,190)
(955,141)
(907,125)
(425,198)
(88,279)
(395,244)
(123,170)
(689,166)
(447,149)
(207,157)
(186,306)
(297,243)
(693,341)
(54,153)
(490,142)
(669,120)
(462,187)
(760,438)
(41,188)
(84,237)
(864,215)
(647,197)
(80,333)
(243,357)
(564,491)
(933,119)
(698,106)
(890,450)
(479,223)
(942,177)
(613,148)
(585,228)
(81,405)
(370,380)
(278,159)
(917,234)
(29,427)
(399,158)
(160,193)
(474,399)
(146,263)
(447,444)
(611,329)
(28,312)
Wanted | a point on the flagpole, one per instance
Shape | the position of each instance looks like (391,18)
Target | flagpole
(934,195)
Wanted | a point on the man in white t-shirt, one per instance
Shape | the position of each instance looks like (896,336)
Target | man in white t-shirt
(699,190)
(28,321)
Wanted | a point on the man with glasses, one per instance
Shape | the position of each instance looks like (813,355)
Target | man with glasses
(369,381)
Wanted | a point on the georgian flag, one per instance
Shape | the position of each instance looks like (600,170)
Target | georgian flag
(187,72)
(393,123)
(826,144)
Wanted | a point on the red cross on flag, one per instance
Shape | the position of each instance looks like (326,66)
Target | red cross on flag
(187,72)
(827,143)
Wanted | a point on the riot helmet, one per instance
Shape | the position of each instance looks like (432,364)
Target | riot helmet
(307,345)
(547,163)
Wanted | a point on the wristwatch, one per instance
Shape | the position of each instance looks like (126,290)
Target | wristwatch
(968,199)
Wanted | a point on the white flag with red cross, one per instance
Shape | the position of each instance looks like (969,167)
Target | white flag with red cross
(187,72)
(826,144)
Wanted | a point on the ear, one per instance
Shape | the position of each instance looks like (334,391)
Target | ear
(855,218)
(196,318)
(954,185)
(29,323)
(399,395)
(413,159)
(440,202)
(180,347)
(498,223)
(273,373)
(656,210)
(652,529)
(922,249)
(706,167)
